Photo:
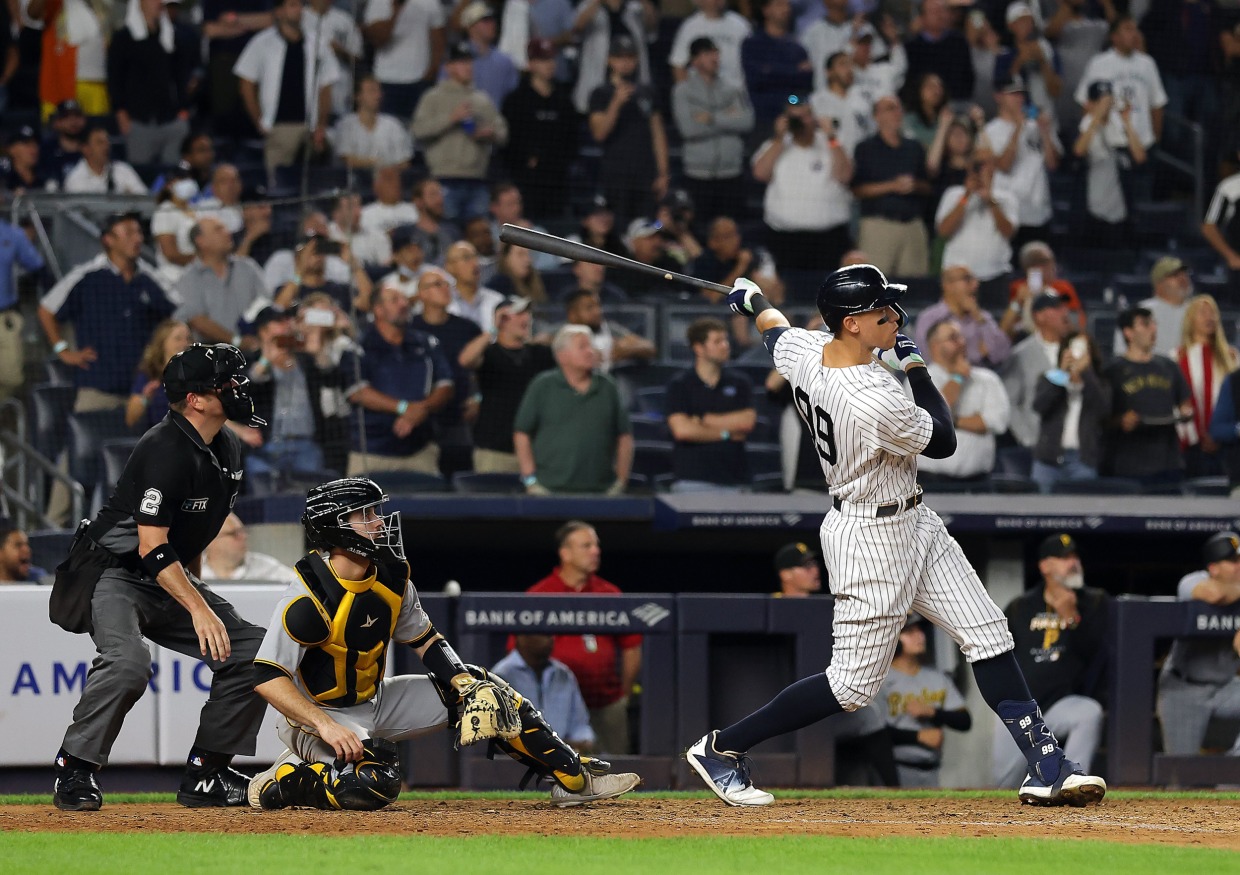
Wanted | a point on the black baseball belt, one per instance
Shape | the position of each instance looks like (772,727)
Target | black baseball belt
(879,511)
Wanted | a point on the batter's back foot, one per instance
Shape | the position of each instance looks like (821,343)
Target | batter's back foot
(726,773)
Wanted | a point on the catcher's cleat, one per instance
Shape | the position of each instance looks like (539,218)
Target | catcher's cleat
(213,787)
(75,788)
(1071,787)
(262,779)
(726,773)
(595,789)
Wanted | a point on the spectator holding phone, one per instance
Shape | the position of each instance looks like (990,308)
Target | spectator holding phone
(1032,59)
(1073,404)
(310,275)
(1026,149)
(1039,274)
(1108,163)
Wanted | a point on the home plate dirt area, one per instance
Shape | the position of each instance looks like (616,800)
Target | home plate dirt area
(1187,821)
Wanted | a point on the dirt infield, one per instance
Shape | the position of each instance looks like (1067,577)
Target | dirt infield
(1203,823)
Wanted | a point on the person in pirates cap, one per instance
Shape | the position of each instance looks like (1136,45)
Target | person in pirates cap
(919,702)
(797,567)
(1198,679)
(170,502)
(1061,631)
(321,666)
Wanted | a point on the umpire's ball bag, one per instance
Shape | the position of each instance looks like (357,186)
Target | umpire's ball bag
(76,576)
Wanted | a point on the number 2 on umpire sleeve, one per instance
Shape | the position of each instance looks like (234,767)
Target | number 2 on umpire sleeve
(821,429)
(150,502)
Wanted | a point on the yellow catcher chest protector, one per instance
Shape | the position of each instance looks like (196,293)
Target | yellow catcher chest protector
(345,626)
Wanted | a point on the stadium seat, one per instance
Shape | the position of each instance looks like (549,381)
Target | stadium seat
(1014,461)
(652,458)
(409,482)
(1161,223)
(49,547)
(88,432)
(115,455)
(650,400)
(1097,486)
(956,487)
(58,373)
(50,405)
(1207,486)
(649,427)
(1011,484)
(491,483)
(764,458)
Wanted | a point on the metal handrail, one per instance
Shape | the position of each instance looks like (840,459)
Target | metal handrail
(33,502)
(1193,167)
(17,461)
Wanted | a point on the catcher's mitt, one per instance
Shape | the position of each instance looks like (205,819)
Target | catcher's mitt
(487,711)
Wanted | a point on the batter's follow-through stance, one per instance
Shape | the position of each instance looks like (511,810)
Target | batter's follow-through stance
(885,551)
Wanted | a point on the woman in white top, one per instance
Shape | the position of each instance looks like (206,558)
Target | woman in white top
(1205,358)
(171,224)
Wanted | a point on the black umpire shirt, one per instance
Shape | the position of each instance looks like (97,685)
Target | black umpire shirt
(721,462)
(172,479)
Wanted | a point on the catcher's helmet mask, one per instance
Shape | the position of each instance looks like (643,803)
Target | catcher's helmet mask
(326,518)
(856,289)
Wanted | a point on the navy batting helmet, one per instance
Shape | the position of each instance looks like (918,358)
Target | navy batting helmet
(858,288)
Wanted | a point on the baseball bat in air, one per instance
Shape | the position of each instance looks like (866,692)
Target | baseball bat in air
(574,251)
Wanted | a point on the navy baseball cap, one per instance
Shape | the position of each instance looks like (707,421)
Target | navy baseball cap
(622,44)
(68,107)
(461,50)
(406,235)
(272,313)
(1098,90)
(1048,300)
(24,134)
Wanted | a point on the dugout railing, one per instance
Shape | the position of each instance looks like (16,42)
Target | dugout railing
(1136,626)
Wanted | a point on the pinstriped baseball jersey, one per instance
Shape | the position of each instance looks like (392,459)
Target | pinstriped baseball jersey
(868,433)
(866,430)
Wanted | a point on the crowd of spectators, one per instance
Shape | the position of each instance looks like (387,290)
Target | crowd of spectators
(940,141)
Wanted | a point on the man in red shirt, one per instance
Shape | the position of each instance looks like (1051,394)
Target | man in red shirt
(606,666)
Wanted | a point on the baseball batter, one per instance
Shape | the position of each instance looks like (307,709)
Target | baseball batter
(885,551)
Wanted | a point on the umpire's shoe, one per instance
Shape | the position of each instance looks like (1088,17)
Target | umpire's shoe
(205,786)
(75,788)
(1071,787)
(726,773)
(595,789)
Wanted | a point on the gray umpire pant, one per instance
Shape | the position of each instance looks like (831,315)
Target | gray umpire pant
(127,608)
(1077,724)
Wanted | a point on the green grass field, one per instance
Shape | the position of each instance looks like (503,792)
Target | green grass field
(159,853)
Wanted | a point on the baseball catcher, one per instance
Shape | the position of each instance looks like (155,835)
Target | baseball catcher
(321,665)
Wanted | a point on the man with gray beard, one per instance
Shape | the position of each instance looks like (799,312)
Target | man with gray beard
(1060,630)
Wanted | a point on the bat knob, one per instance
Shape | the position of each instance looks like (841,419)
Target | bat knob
(667,276)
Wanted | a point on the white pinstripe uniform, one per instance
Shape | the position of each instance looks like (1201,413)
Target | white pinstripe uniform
(868,434)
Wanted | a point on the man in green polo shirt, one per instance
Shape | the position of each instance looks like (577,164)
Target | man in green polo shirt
(572,432)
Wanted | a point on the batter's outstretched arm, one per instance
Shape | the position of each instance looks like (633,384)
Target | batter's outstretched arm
(747,299)
(927,396)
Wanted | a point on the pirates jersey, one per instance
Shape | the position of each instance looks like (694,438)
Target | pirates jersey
(330,635)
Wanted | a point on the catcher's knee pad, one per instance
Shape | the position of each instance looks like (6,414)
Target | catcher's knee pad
(545,753)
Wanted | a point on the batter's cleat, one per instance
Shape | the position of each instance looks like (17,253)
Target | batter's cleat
(726,773)
(213,787)
(75,788)
(1072,787)
(596,789)
(254,791)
